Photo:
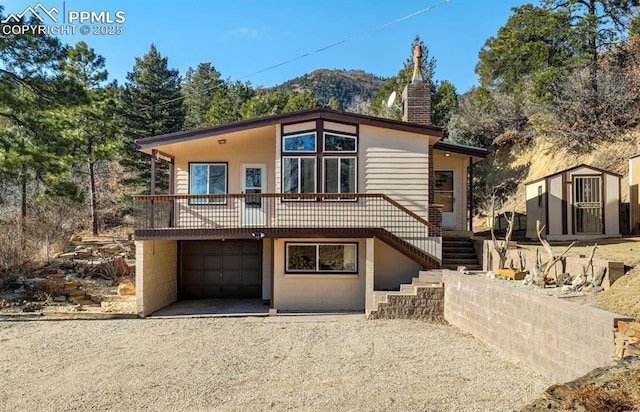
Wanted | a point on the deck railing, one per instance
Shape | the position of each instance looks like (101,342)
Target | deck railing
(240,212)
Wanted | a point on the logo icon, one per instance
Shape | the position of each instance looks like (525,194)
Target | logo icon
(36,11)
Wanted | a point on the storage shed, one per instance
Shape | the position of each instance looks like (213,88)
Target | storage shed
(582,202)
(634,195)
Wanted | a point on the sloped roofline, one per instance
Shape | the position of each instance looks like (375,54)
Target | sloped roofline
(573,168)
(462,149)
(291,117)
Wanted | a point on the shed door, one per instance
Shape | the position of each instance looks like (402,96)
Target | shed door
(587,204)
(215,269)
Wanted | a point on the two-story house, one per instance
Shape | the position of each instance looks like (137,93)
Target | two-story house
(312,210)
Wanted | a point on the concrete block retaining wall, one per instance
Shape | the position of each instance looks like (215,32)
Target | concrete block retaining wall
(556,338)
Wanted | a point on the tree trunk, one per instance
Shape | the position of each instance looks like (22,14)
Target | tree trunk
(94,198)
(23,208)
(593,49)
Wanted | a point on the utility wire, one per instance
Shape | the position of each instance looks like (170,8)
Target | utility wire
(310,53)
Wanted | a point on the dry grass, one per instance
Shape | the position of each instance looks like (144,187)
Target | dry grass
(624,296)
(615,396)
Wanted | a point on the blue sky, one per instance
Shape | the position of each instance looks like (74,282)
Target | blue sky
(241,38)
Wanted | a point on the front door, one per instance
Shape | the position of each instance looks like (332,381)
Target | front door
(444,196)
(252,209)
(588,204)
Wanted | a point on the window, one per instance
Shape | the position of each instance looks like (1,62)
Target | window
(339,143)
(300,143)
(298,175)
(340,174)
(322,257)
(208,179)
(444,189)
(540,196)
(320,161)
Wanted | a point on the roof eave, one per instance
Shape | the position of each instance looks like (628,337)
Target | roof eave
(292,117)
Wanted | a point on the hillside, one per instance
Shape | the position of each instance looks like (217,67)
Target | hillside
(343,85)
(543,157)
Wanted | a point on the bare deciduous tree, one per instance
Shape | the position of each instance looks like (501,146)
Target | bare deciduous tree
(541,270)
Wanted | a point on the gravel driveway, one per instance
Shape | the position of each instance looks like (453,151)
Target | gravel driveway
(279,363)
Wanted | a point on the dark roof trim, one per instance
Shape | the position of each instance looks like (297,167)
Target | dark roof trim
(292,117)
(574,168)
(634,156)
(461,148)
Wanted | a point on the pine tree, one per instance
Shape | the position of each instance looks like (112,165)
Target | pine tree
(151,105)
(227,101)
(92,126)
(33,152)
(199,86)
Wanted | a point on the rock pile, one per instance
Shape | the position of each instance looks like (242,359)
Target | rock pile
(86,275)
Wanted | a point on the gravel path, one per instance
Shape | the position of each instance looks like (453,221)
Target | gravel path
(255,364)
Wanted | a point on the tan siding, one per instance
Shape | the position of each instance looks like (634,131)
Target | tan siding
(555,206)
(534,210)
(612,205)
(634,192)
(339,127)
(292,128)
(258,148)
(390,160)
(392,268)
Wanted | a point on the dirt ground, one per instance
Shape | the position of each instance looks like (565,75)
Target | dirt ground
(624,296)
(237,364)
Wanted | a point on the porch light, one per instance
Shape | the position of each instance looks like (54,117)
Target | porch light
(222,141)
(447,154)
(258,235)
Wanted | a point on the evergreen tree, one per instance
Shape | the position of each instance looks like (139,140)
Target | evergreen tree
(536,44)
(92,126)
(269,103)
(227,101)
(599,24)
(199,87)
(151,105)
(444,102)
(33,151)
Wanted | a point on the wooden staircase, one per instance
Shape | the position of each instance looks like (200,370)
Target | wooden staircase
(459,251)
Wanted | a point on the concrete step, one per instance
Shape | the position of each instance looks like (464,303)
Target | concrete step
(430,276)
(469,267)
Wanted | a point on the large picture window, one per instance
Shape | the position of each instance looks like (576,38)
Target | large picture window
(322,258)
(208,179)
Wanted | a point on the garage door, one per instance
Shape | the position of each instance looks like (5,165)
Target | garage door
(215,269)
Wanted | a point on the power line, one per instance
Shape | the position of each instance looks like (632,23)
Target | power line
(310,53)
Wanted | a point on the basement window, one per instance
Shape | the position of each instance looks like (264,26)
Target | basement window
(314,258)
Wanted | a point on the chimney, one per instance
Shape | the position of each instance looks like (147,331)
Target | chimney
(416,97)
